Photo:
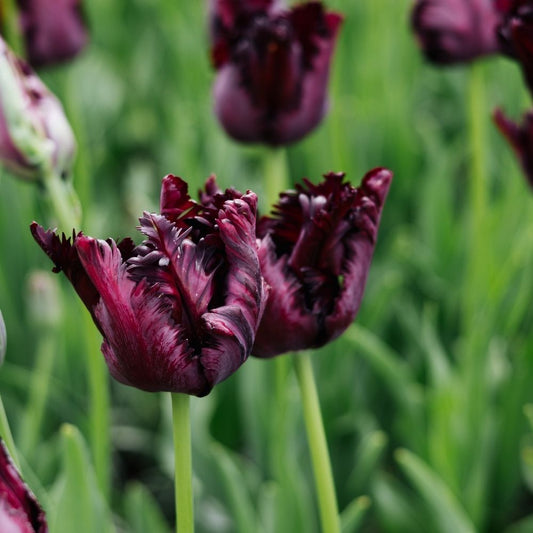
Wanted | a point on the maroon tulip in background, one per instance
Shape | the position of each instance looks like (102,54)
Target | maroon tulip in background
(179,311)
(520,137)
(19,510)
(516,34)
(54,30)
(272,68)
(456,31)
(315,252)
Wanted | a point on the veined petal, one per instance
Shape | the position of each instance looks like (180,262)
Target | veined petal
(142,346)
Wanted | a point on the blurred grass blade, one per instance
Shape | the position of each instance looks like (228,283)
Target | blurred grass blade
(386,363)
(77,505)
(523,526)
(353,515)
(236,488)
(142,512)
(444,506)
(368,455)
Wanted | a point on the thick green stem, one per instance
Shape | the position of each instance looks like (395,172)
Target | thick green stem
(99,411)
(7,436)
(316,437)
(275,175)
(477,263)
(183,463)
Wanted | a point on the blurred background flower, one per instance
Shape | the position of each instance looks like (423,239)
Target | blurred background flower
(455,31)
(53,30)
(35,136)
(272,68)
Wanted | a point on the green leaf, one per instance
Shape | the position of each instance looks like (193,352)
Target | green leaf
(354,514)
(142,512)
(448,513)
(76,503)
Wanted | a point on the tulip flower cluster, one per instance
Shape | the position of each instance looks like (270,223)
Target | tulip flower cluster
(180,311)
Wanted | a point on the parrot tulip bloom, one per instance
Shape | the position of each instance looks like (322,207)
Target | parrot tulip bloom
(54,30)
(272,68)
(315,251)
(20,511)
(35,136)
(179,311)
(520,137)
(456,31)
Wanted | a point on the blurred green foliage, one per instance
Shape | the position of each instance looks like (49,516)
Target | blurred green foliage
(426,399)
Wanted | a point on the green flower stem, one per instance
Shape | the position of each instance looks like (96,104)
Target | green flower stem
(183,463)
(10,26)
(477,271)
(7,436)
(275,175)
(33,414)
(99,411)
(325,487)
(63,201)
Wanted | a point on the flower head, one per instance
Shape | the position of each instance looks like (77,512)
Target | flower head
(54,30)
(272,68)
(20,511)
(516,34)
(455,31)
(179,311)
(35,136)
(520,137)
(315,251)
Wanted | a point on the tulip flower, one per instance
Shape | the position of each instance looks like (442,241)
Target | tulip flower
(179,311)
(35,136)
(516,34)
(20,511)
(315,252)
(520,137)
(272,68)
(53,30)
(456,31)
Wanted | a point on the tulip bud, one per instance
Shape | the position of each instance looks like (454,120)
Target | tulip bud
(35,136)
(44,303)
(456,31)
(54,30)
(3,339)
(272,68)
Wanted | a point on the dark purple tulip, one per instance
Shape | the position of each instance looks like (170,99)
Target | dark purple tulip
(272,68)
(179,311)
(20,511)
(315,251)
(516,35)
(456,31)
(34,133)
(520,137)
(54,30)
